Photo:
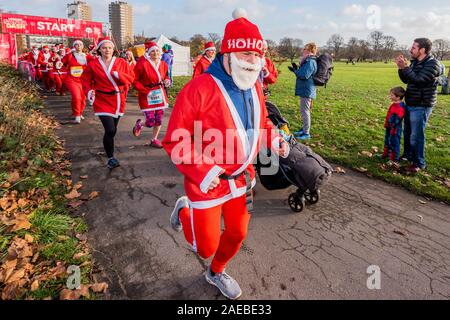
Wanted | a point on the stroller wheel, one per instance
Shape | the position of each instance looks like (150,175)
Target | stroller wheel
(296,202)
(313,197)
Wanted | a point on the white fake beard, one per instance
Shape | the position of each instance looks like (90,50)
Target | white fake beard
(244,74)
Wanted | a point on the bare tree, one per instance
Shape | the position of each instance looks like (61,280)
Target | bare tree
(376,39)
(441,48)
(335,43)
(352,48)
(389,46)
(364,51)
(272,48)
(290,48)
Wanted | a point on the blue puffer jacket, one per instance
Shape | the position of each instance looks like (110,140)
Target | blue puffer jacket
(305,87)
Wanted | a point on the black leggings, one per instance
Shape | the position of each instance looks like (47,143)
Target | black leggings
(110,125)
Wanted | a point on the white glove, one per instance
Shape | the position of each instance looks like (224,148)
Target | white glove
(91,97)
(167,83)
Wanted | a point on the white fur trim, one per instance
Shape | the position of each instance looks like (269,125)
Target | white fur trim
(151,49)
(207,204)
(103,42)
(155,109)
(212,174)
(77,42)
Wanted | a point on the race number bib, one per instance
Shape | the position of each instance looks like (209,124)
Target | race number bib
(76,71)
(155,98)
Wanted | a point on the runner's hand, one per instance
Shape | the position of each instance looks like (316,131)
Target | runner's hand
(167,83)
(214,183)
(284,149)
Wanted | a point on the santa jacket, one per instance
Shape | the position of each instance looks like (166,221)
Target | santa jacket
(271,77)
(33,59)
(45,62)
(109,85)
(201,66)
(75,66)
(149,76)
(204,107)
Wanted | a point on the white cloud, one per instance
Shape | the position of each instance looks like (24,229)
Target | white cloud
(354,10)
(142,9)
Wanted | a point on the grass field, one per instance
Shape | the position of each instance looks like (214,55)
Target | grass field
(348,119)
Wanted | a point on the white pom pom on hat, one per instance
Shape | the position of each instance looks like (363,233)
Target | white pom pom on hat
(239,13)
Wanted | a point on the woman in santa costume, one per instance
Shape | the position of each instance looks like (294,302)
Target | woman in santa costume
(227,105)
(129,57)
(105,80)
(46,67)
(75,63)
(269,74)
(59,72)
(152,77)
(208,56)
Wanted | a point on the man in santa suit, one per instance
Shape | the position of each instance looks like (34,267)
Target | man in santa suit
(269,74)
(208,56)
(33,58)
(151,80)
(46,67)
(75,63)
(215,132)
(59,71)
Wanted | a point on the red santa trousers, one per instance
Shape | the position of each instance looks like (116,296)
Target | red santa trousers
(78,97)
(202,230)
(58,79)
(48,80)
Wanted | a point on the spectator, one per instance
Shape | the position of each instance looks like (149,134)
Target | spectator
(421,76)
(305,87)
(205,61)
(167,57)
(269,74)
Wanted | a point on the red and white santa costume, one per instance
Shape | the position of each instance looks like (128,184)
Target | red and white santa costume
(109,84)
(271,76)
(204,62)
(75,64)
(33,58)
(46,67)
(59,72)
(204,101)
(150,79)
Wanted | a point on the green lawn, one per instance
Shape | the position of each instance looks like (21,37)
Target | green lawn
(348,118)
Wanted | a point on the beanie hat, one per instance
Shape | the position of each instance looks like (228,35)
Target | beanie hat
(241,35)
(151,46)
(210,46)
(104,40)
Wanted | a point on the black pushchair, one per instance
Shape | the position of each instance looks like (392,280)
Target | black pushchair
(302,168)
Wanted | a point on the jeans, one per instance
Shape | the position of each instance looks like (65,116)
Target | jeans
(305,109)
(416,119)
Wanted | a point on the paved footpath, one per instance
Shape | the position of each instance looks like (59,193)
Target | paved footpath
(321,253)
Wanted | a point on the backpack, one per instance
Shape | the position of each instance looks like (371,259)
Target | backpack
(324,70)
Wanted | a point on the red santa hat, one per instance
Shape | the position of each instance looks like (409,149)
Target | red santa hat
(45,47)
(78,41)
(151,46)
(68,50)
(241,35)
(210,46)
(104,40)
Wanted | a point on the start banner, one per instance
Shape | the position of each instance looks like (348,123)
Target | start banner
(33,25)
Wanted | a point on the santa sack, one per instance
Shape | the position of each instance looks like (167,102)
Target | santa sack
(309,170)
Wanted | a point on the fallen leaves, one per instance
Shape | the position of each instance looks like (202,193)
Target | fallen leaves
(93,195)
(361,169)
(13,177)
(422,202)
(375,149)
(83,291)
(339,170)
(84,177)
(73,194)
(367,154)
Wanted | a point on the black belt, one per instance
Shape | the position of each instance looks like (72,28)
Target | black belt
(227,177)
(111,93)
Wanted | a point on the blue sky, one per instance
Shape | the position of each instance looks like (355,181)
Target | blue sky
(306,19)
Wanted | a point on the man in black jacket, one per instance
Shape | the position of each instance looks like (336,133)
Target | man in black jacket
(421,96)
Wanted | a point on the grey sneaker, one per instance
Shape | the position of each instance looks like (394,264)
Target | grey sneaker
(174,217)
(226,284)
